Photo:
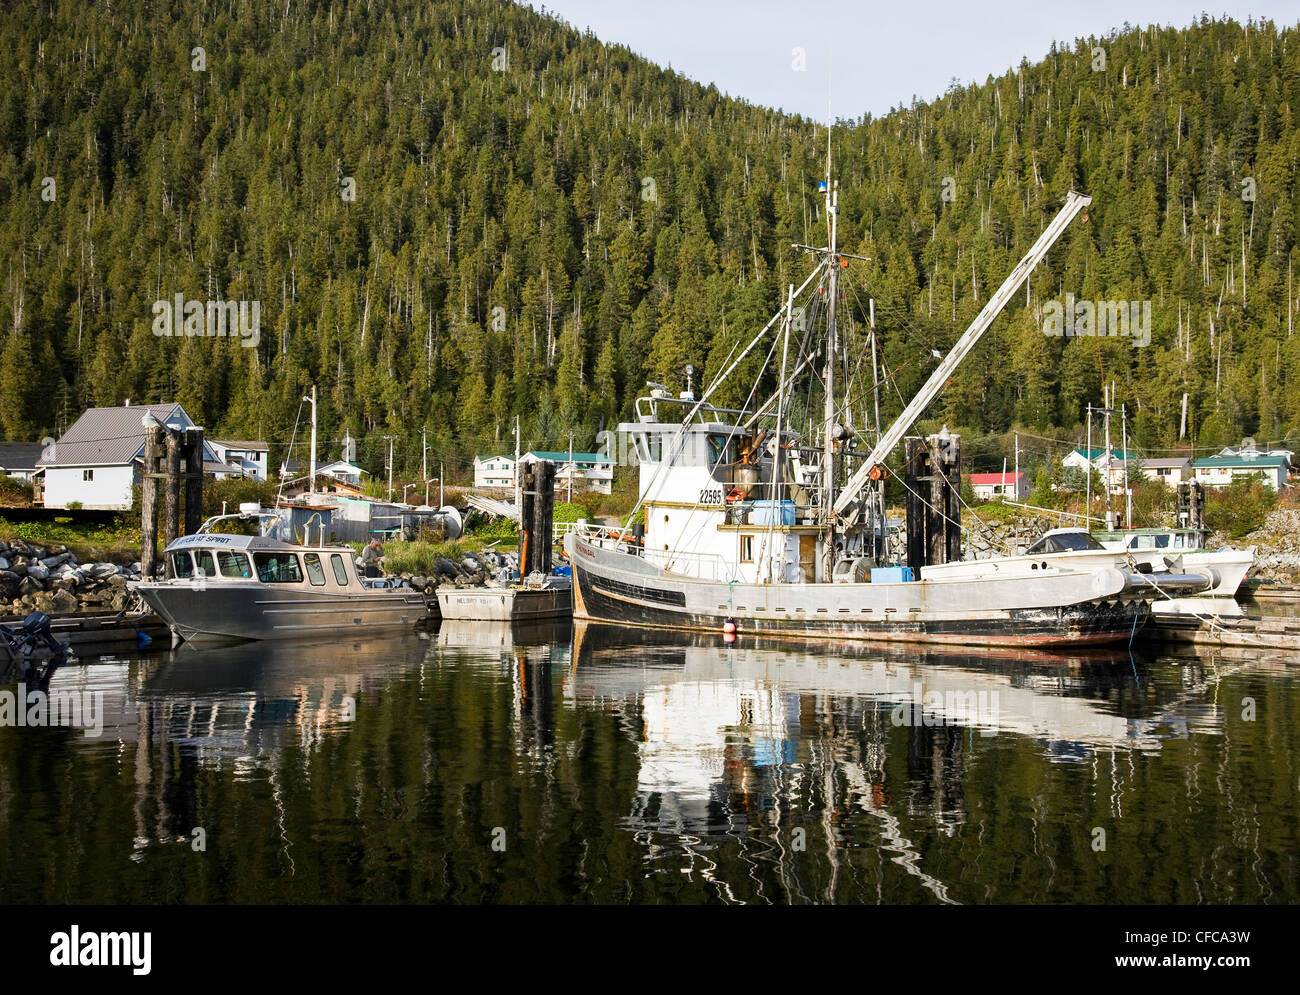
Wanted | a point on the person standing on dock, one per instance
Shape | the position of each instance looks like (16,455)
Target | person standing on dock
(370,557)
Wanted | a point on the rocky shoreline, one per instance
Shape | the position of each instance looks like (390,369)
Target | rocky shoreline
(51,580)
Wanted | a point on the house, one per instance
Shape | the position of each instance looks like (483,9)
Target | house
(1111,467)
(988,486)
(494,471)
(585,471)
(1170,471)
(100,458)
(1219,471)
(18,460)
(342,470)
(248,457)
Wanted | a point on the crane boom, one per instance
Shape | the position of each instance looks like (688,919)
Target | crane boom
(1074,203)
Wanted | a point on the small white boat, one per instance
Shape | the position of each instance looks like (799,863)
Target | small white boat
(1161,546)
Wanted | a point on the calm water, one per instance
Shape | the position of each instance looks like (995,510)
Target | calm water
(481,765)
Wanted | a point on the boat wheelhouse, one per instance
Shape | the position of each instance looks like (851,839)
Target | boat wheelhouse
(256,587)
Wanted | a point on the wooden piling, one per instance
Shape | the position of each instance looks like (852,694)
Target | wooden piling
(193,449)
(543,514)
(149,502)
(527,494)
(172,506)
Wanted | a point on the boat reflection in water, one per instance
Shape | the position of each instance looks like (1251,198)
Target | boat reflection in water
(622,767)
(734,734)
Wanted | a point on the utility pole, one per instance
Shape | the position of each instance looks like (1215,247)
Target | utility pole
(424,462)
(311,486)
(390,465)
(1016,485)
(1087,488)
(442,479)
(1128,490)
(518,495)
(1110,524)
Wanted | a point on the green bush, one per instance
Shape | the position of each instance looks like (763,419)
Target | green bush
(1240,508)
(14,493)
(420,557)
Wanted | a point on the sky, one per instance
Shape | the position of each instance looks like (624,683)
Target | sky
(866,57)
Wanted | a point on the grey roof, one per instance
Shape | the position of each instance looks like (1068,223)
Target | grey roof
(260,447)
(1167,461)
(113,436)
(19,455)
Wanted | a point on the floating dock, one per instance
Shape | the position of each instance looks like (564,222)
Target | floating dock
(110,629)
(1247,632)
(506,604)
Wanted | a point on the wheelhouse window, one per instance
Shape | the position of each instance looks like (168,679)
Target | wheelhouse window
(340,569)
(1065,542)
(746,549)
(315,572)
(278,568)
(203,558)
(720,450)
(233,564)
(182,565)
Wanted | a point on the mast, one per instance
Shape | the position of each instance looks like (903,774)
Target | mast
(1074,203)
(832,349)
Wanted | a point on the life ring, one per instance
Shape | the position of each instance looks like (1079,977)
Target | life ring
(734,495)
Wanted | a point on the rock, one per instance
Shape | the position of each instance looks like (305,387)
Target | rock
(38,571)
(10,583)
(50,562)
(100,570)
(19,568)
(4,563)
(62,602)
(28,586)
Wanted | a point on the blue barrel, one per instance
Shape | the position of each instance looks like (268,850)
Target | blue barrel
(772,513)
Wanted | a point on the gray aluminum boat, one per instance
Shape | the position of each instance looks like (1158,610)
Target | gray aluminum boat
(255,587)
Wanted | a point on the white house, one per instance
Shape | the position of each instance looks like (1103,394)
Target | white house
(100,458)
(988,486)
(246,456)
(342,470)
(18,460)
(1109,464)
(1170,471)
(1219,471)
(494,471)
(587,471)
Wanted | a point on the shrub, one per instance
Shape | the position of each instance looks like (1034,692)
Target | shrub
(1240,508)
(14,493)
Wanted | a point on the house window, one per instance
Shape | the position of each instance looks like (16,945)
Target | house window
(87,474)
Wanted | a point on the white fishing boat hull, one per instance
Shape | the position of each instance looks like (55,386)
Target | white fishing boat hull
(1044,608)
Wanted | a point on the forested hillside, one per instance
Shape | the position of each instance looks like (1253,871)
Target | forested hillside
(453,212)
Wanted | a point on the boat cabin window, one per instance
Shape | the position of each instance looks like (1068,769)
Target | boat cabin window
(233,564)
(1064,542)
(340,571)
(649,447)
(182,565)
(203,558)
(315,572)
(720,450)
(1150,542)
(278,568)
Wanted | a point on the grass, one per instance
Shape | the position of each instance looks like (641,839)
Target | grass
(422,557)
(118,541)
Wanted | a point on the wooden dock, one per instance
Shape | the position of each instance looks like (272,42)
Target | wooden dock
(1276,633)
(113,629)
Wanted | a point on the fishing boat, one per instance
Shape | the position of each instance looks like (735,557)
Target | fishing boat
(1188,547)
(749,528)
(223,587)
